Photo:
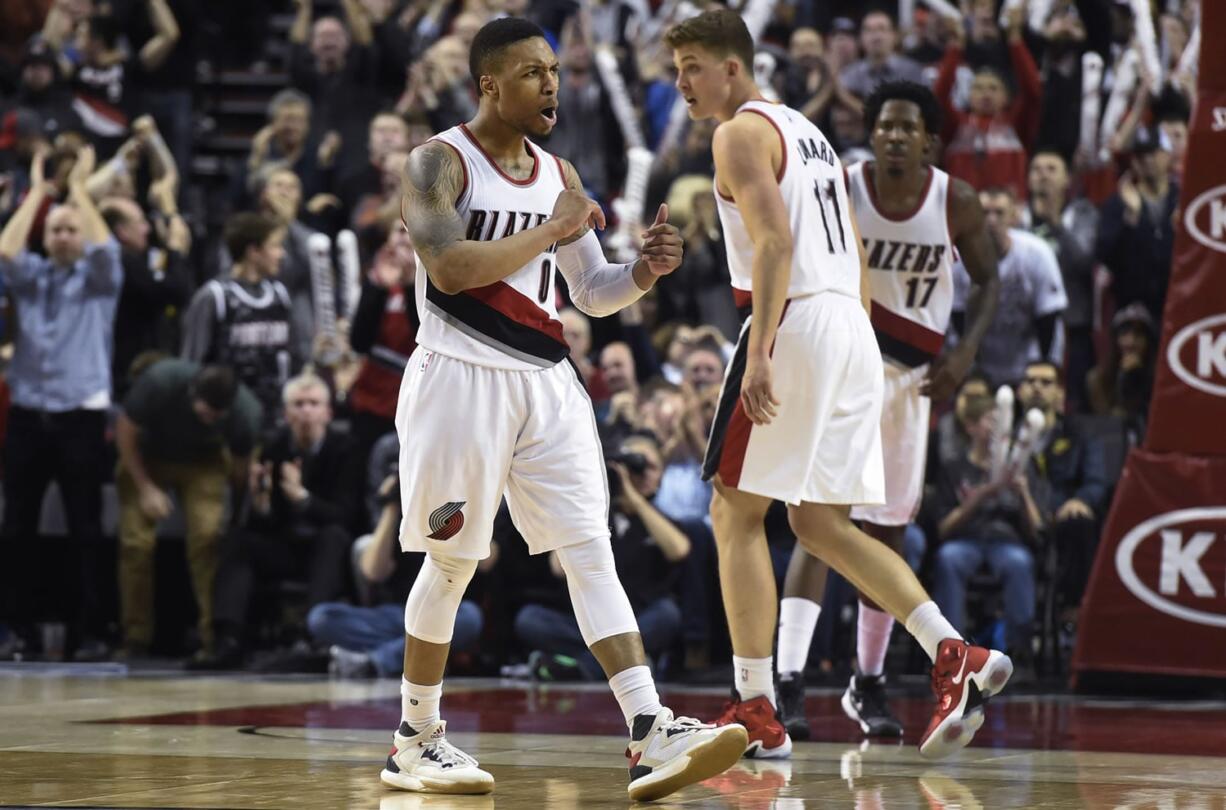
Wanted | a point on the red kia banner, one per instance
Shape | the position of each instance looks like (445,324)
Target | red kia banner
(1188,410)
(1157,595)
(1156,600)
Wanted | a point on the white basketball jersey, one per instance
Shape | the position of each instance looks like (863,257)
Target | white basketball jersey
(513,323)
(824,257)
(910,260)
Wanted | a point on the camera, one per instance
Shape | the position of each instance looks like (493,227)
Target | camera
(635,463)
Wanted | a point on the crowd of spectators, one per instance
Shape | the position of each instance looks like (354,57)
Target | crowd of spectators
(171,336)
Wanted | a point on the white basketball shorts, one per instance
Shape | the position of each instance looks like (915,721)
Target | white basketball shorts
(471,434)
(824,444)
(904,444)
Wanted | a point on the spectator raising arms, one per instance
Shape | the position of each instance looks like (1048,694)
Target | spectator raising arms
(987,144)
(60,375)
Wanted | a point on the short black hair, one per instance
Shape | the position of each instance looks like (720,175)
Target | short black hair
(917,94)
(215,386)
(247,230)
(493,38)
(105,28)
(1059,372)
(1052,150)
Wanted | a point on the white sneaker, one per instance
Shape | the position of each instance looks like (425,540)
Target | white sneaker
(668,753)
(425,762)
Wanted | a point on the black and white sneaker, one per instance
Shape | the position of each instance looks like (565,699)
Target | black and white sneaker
(667,753)
(790,693)
(865,702)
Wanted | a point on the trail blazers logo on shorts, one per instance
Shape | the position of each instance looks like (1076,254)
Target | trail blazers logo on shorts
(446,521)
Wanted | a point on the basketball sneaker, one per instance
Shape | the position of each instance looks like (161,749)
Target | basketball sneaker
(425,762)
(768,739)
(963,677)
(790,691)
(865,703)
(667,753)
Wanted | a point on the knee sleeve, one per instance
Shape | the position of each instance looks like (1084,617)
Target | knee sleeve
(429,613)
(602,608)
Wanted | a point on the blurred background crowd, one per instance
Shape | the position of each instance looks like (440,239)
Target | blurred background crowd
(198,391)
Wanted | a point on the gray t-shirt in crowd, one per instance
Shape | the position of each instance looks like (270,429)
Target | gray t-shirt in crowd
(1030,288)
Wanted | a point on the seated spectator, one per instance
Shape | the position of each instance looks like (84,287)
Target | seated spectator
(617,369)
(156,281)
(60,377)
(682,423)
(1121,385)
(704,369)
(578,333)
(984,521)
(1069,226)
(1074,469)
(299,527)
(1136,233)
(368,640)
(646,547)
(881,62)
(173,433)
(245,321)
(987,145)
(952,443)
(1026,326)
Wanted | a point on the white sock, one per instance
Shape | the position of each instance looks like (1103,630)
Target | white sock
(797,620)
(872,639)
(635,691)
(753,677)
(930,628)
(419,704)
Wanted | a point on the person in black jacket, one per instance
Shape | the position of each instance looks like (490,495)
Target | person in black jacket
(300,522)
(155,282)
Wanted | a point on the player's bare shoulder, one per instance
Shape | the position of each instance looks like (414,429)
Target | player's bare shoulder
(434,180)
(964,211)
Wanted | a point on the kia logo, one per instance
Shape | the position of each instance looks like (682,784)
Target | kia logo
(1209,206)
(1180,568)
(1202,344)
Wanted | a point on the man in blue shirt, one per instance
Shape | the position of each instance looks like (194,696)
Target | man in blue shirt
(60,376)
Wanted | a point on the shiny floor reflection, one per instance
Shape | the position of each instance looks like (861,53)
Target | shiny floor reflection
(145,742)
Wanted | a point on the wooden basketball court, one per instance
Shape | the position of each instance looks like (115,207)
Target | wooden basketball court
(102,738)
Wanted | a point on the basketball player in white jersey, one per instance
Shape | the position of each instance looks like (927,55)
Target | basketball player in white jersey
(799,417)
(489,405)
(911,216)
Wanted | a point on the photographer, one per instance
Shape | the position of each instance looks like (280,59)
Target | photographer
(368,640)
(647,548)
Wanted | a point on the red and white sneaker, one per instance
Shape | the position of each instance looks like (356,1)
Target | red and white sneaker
(963,677)
(768,739)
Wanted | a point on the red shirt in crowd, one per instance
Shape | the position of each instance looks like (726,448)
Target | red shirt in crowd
(991,151)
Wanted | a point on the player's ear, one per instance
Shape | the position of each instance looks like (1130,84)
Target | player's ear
(489,87)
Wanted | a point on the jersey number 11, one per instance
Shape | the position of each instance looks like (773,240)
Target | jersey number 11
(829,192)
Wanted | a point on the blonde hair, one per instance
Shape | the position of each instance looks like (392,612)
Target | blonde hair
(303,381)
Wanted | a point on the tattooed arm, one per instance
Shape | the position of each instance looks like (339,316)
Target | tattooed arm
(434,181)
